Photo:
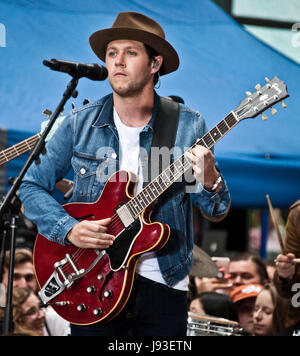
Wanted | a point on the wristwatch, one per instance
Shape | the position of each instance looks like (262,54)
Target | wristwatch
(215,185)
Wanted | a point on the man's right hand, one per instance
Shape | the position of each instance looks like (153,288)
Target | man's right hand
(91,234)
(285,265)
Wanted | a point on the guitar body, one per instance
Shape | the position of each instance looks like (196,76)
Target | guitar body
(101,293)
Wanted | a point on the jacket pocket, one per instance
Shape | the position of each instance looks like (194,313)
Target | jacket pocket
(86,185)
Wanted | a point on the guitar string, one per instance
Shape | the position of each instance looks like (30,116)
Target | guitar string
(116,222)
(19,148)
(76,256)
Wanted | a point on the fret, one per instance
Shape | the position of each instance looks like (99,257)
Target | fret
(230,120)
(29,146)
(179,171)
(141,201)
(216,134)
(145,196)
(167,178)
(135,205)
(133,213)
(222,127)
(161,183)
(211,136)
(172,171)
(150,192)
(132,208)
(202,143)
(155,183)
(138,203)
(5,157)
(208,140)
(15,148)
(228,127)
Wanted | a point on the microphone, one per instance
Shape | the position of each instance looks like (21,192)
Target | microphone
(78,70)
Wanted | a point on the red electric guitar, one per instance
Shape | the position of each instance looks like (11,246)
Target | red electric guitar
(86,286)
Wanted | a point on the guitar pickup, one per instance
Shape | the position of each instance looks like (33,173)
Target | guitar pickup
(125,215)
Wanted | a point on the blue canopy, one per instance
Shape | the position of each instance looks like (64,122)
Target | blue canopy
(220,61)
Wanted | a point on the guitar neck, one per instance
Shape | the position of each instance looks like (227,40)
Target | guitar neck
(18,149)
(172,173)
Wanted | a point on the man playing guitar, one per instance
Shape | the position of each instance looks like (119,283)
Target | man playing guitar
(101,138)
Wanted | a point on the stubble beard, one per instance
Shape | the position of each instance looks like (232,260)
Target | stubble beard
(130,89)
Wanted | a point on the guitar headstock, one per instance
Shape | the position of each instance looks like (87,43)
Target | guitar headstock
(272,92)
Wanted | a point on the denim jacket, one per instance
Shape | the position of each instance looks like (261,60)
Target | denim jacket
(87,141)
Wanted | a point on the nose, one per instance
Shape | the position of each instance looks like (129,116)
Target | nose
(237,281)
(120,60)
(257,315)
(41,314)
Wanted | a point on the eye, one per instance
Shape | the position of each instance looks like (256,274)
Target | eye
(111,53)
(132,53)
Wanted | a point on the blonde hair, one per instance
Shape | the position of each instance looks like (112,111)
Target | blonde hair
(22,255)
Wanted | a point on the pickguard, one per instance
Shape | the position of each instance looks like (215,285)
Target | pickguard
(119,251)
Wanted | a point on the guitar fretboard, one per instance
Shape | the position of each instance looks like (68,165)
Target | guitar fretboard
(18,149)
(172,173)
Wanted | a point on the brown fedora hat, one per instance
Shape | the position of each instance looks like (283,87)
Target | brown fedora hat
(138,27)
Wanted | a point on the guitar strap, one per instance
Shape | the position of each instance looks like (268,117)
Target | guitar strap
(165,129)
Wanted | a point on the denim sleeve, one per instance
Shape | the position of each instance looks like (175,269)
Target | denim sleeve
(39,183)
(213,205)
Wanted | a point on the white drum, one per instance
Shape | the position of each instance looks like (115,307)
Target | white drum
(203,325)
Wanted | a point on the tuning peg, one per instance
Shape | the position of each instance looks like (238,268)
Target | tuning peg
(248,93)
(264,117)
(267,79)
(47,113)
(257,86)
(273,111)
(283,104)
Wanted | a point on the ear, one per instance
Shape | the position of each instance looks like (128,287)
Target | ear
(157,63)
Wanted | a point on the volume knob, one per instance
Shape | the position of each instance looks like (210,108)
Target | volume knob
(97,311)
(81,307)
(108,293)
(91,289)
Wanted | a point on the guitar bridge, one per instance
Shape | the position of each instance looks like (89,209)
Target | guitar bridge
(59,280)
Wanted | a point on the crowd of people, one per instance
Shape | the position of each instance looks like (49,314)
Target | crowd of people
(261,299)
(29,316)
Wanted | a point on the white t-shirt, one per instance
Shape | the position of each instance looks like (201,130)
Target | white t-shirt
(129,149)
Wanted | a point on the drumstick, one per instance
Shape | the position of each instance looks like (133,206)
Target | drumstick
(295,260)
(275,224)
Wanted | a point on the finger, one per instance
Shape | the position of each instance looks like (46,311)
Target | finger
(97,226)
(290,256)
(104,242)
(191,156)
(103,222)
(281,258)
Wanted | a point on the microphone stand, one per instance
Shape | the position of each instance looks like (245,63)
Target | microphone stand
(11,204)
